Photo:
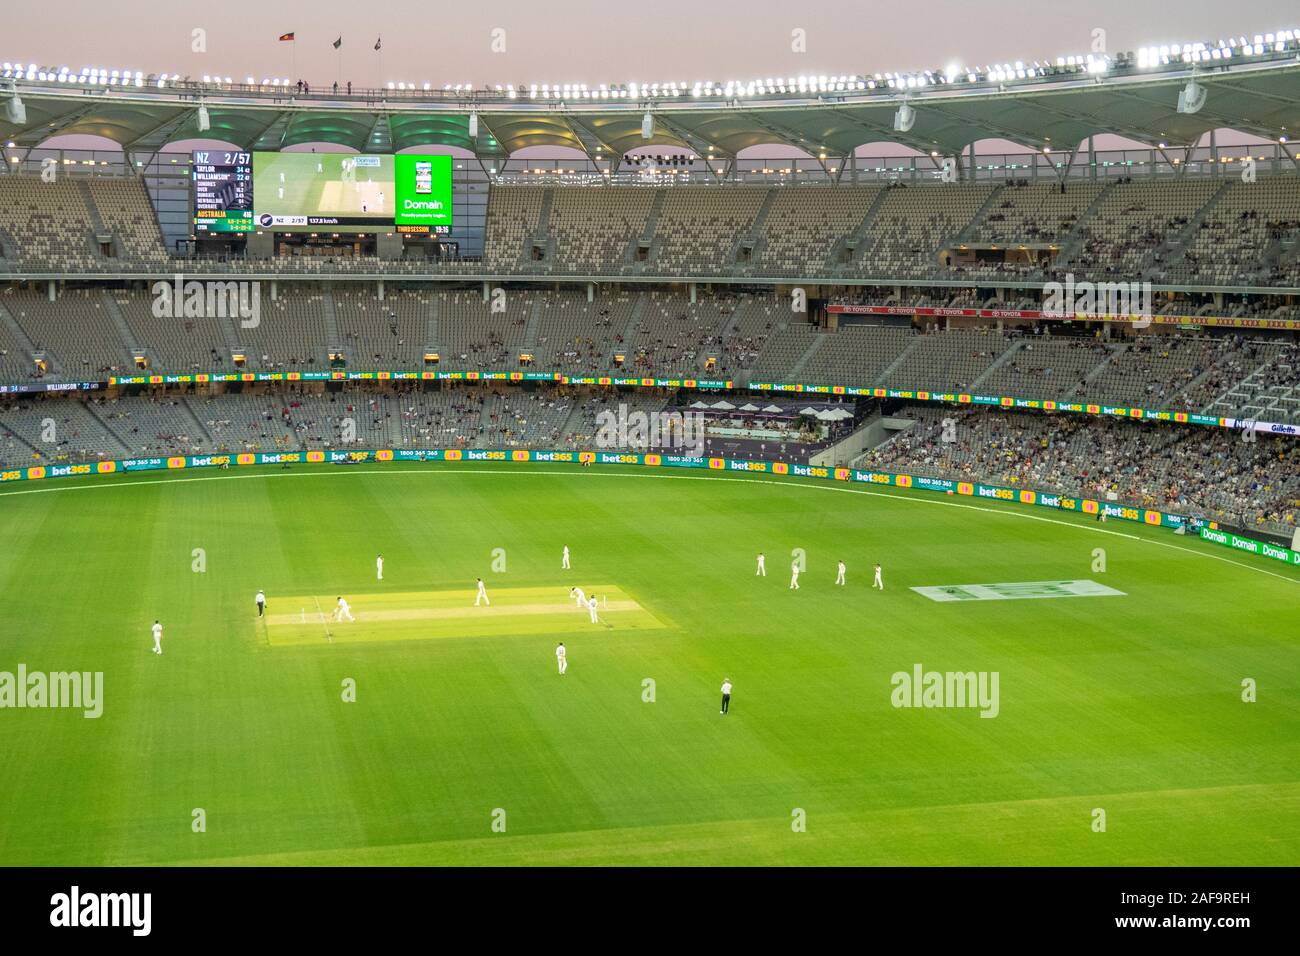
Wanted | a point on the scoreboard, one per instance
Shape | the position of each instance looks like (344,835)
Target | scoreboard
(223,191)
(244,192)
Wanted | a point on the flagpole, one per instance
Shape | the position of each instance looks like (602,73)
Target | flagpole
(293,57)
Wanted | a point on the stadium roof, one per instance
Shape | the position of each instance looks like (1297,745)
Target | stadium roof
(1056,110)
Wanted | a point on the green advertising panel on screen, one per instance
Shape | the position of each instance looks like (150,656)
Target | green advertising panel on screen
(423,190)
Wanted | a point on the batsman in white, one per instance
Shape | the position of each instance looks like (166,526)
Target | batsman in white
(579,596)
(342,611)
(482,594)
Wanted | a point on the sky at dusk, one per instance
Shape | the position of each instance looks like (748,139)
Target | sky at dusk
(594,41)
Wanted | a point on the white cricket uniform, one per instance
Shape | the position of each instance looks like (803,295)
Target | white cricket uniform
(379,568)
(877,583)
(762,567)
(482,595)
(839,579)
(794,576)
(157,638)
(564,562)
(561,659)
(580,596)
(343,611)
(261,603)
(591,606)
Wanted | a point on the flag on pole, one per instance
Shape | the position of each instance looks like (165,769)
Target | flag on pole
(379,42)
(286,37)
(338,43)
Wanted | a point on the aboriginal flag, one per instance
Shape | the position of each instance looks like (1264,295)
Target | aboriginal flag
(286,37)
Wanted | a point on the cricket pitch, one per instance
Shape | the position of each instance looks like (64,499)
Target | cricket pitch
(425,615)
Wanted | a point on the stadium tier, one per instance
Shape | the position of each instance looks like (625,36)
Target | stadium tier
(1207,473)
(1192,231)
(90,334)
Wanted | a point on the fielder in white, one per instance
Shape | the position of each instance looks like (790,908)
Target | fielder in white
(561,659)
(157,638)
(878,583)
(379,566)
(579,596)
(482,594)
(564,562)
(591,606)
(762,566)
(794,576)
(839,578)
(342,611)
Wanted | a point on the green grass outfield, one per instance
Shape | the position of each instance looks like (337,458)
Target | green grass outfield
(1129,703)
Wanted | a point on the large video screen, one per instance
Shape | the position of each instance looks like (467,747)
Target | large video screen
(423,191)
(322,191)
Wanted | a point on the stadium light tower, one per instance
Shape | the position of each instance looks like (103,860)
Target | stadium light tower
(647,125)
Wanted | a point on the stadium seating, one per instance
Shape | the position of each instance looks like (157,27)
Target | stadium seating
(76,329)
(913,223)
(1135,219)
(45,226)
(1200,231)
(1193,229)
(1204,472)
(391,334)
(1034,213)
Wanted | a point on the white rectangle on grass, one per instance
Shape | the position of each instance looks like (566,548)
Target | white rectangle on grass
(1017,591)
